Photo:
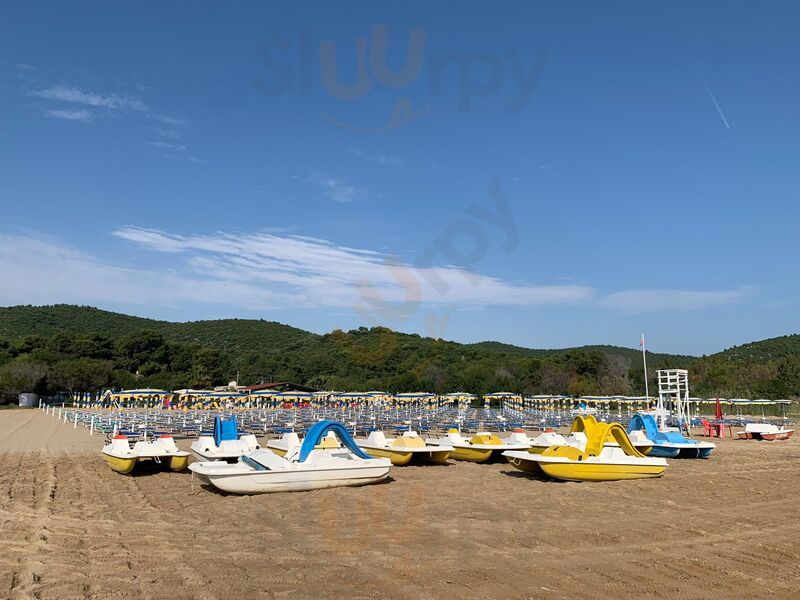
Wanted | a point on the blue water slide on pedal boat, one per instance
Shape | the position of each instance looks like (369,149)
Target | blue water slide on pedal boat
(225,442)
(667,444)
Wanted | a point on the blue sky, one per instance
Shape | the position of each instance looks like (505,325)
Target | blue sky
(546,175)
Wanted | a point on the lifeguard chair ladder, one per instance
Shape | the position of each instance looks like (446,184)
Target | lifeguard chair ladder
(673,394)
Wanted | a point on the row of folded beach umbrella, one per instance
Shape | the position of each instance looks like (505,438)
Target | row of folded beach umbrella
(360,419)
(188,399)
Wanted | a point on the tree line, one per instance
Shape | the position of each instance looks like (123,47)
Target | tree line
(68,362)
(359,360)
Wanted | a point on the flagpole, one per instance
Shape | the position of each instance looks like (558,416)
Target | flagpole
(644,362)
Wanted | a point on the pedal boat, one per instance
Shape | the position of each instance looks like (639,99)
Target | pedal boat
(302,468)
(404,449)
(764,431)
(123,459)
(666,444)
(584,424)
(289,442)
(225,443)
(548,438)
(480,448)
(577,437)
(599,461)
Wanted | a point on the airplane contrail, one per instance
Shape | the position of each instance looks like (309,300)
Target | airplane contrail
(716,104)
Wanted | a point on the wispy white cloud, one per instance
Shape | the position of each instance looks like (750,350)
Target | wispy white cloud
(379,158)
(661,300)
(336,189)
(73,95)
(279,270)
(392,161)
(167,146)
(94,106)
(45,271)
(80,115)
(172,134)
(170,120)
(316,272)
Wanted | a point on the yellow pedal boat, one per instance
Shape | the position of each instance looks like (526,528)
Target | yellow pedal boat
(292,441)
(581,424)
(597,461)
(404,449)
(480,448)
(123,459)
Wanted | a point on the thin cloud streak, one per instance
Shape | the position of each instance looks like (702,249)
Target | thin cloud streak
(171,120)
(379,158)
(663,300)
(717,106)
(338,190)
(81,116)
(168,146)
(73,95)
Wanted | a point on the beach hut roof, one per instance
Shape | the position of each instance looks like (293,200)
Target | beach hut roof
(143,392)
(267,392)
(293,395)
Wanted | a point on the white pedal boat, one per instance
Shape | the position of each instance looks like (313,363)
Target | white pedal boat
(481,447)
(122,458)
(404,449)
(764,431)
(303,468)
(291,441)
(225,443)
(551,438)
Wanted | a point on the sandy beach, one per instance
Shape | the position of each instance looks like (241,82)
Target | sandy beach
(72,528)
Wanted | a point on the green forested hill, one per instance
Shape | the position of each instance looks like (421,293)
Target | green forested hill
(631,354)
(20,321)
(82,348)
(231,335)
(765,369)
(763,351)
(511,349)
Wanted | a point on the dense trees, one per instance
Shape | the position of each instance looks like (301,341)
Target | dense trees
(68,348)
(92,361)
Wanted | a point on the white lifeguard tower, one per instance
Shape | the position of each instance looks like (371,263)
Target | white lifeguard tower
(673,395)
